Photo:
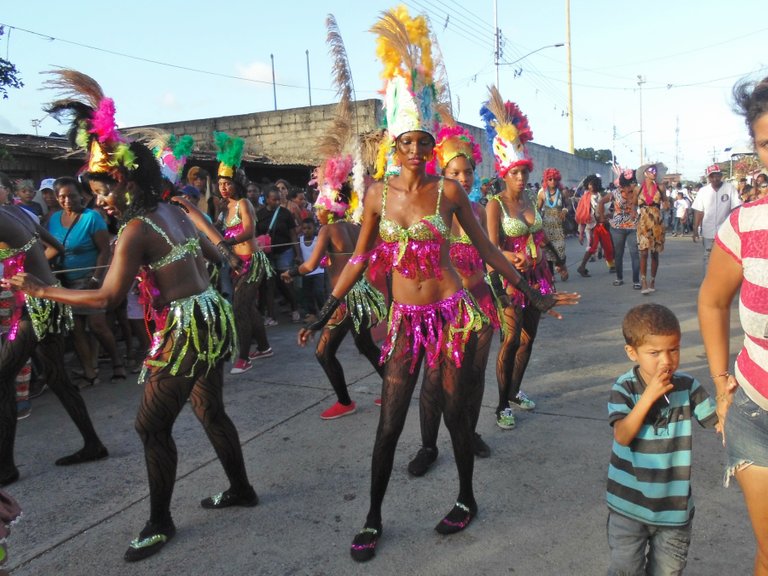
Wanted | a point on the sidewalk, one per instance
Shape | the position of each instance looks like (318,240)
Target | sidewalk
(541,493)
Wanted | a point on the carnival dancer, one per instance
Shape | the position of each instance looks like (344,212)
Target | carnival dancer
(195,329)
(36,323)
(651,230)
(339,207)
(237,219)
(515,226)
(432,318)
(363,305)
(553,211)
(596,228)
(457,155)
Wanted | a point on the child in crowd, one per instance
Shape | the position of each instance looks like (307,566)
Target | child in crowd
(313,283)
(650,408)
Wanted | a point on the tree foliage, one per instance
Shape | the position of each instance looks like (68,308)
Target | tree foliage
(9,75)
(592,154)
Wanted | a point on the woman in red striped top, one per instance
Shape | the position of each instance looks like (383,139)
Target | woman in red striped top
(739,260)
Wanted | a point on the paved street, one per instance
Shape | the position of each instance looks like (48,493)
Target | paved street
(542,508)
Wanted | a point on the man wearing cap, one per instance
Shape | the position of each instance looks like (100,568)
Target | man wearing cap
(711,207)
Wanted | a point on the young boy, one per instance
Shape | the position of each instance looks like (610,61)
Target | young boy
(312,283)
(649,477)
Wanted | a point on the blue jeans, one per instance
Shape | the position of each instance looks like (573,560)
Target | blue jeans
(628,539)
(620,236)
(678,226)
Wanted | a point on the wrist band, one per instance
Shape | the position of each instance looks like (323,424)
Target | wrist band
(723,375)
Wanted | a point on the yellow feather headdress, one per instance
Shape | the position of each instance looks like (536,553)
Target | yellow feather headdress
(412,102)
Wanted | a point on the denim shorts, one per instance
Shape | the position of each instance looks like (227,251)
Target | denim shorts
(284,260)
(746,434)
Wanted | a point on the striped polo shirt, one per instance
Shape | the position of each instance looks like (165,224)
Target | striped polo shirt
(744,236)
(650,480)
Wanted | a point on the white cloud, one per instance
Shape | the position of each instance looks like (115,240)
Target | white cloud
(259,71)
(169,100)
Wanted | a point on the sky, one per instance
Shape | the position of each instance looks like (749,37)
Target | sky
(172,61)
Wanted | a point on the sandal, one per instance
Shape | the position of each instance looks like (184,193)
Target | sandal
(88,382)
(230,498)
(118,373)
(151,539)
(457,519)
(364,544)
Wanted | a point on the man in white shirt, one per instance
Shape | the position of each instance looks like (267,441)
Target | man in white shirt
(711,207)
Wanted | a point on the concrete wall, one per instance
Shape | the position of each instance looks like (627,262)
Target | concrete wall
(277,137)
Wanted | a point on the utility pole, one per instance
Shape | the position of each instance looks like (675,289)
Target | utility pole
(497,51)
(274,87)
(677,145)
(570,77)
(309,81)
(640,82)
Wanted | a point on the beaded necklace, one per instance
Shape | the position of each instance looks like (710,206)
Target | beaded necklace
(548,202)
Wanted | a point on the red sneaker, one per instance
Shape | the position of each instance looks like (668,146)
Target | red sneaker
(338,410)
(241,366)
(256,354)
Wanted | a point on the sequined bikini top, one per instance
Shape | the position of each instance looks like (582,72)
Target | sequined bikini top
(234,226)
(414,252)
(189,247)
(428,228)
(8,253)
(514,227)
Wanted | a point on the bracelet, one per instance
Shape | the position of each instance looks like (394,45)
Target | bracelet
(725,374)
(722,396)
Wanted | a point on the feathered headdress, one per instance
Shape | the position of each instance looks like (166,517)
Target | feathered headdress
(93,122)
(455,141)
(230,153)
(412,102)
(340,145)
(170,151)
(508,132)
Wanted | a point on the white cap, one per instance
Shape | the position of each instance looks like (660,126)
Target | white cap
(47,184)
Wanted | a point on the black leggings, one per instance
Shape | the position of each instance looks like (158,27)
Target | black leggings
(248,319)
(331,337)
(521,326)
(13,355)
(430,400)
(164,397)
(398,387)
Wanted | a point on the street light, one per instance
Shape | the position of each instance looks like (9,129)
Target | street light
(560,45)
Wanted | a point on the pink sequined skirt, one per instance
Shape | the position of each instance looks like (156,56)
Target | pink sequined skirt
(441,329)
